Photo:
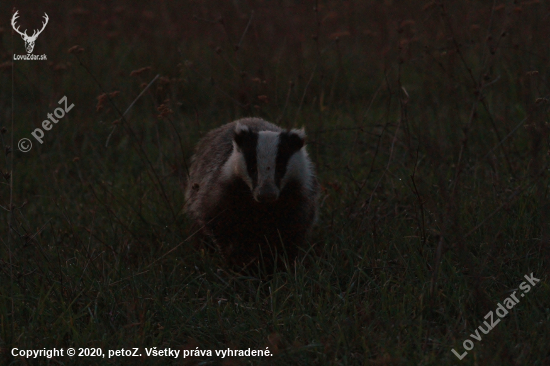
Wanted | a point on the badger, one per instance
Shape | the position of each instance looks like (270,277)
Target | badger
(252,188)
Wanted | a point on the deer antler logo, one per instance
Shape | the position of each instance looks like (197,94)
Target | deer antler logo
(29,41)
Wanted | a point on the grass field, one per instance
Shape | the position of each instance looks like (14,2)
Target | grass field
(428,125)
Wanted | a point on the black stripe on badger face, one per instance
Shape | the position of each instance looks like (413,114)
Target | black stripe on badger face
(289,144)
(247,141)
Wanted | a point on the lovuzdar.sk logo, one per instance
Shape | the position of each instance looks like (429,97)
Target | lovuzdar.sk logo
(29,40)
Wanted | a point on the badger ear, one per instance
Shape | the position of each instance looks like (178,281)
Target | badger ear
(241,132)
(300,132)
(244,138)
(240,128)
(297,138)
(292,141)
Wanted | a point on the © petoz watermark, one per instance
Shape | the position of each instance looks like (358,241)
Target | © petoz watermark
(502,311)
(25,145)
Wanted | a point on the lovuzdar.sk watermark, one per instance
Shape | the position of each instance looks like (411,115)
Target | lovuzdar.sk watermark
(30,57)
(25,145)
(29,40)
(501,311)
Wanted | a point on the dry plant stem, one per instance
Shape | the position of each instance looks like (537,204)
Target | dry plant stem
(447,21)
(336,74)
(497,132)
(421,205)
(181,147)
(107,207)
(539,131)
(228,34)
(502,141)
(205,20)
(403,103)
(508,202)
(177,246)
(215,86)
(361,128)
(235,70)
(479,86)
(127,278)
(228,96)
(393,141)
(290,87)
(317,28)
(386,170)
(433,283)
(465,143)
(130,131)
(169,120)
(245,30)
(130,107)
(304,94)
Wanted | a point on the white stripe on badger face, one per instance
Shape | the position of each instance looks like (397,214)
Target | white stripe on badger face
(236,166)
(266,155)
(298,168)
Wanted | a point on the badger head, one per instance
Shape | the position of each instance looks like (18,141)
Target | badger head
(267,161)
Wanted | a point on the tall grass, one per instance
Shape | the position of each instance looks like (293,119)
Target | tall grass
(428,124)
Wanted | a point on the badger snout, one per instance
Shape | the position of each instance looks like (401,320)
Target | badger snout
(266,193)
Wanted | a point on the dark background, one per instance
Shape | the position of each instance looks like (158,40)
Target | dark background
(428,124)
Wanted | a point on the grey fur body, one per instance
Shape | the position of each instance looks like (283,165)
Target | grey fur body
(253,188)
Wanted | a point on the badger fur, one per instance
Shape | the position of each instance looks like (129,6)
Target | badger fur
(252,187)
